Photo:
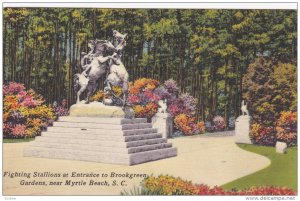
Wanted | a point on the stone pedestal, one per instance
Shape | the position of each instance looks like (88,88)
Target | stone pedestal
(281,147)
(242,129)
(164,124)
(96,109)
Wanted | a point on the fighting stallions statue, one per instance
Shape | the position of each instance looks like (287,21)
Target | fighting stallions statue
(103,59)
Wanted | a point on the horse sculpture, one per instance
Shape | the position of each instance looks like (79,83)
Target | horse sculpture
(97,67)
(103,59)
(118,77)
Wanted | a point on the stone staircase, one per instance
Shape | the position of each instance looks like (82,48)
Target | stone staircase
(103,140)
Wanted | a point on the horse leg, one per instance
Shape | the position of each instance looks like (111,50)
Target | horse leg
(81,90)
(125,93)
(91,89)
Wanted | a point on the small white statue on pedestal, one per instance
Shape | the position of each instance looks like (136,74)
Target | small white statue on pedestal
(242,126)
(162,120)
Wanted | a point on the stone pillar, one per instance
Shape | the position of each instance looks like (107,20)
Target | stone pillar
(164,123)
(242,129)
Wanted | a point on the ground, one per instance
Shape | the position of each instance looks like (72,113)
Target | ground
(209,160)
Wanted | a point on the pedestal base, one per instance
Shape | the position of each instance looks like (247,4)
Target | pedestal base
(242,129)
(164,124)
(96,109)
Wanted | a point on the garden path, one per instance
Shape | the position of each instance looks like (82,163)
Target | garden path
(209,159)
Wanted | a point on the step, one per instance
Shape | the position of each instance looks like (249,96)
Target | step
(102,137)
(101,131)
(146,142)
(100,120)
(102,126)
(110,143)
(152,155)
(114,158)
(149,147)
(85,147)
(70,154)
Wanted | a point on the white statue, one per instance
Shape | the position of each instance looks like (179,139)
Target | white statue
(162,106)
(244,108)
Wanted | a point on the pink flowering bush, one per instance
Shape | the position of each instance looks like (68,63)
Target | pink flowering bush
(185,103)
(24,112)
(219,123)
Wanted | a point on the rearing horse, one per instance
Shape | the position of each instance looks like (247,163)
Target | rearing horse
(97,68)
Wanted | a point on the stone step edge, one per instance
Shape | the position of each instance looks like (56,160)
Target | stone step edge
(103,138)
(120,121)
(86,125)
(93,153)
(143,157)
(56,154)
(122,132)
(125,143)
(129,150)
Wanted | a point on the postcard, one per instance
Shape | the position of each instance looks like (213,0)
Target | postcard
(135,99)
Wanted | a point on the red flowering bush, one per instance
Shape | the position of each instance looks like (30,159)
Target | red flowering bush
(168,185)
(262,135)
(287,128)
(24,112)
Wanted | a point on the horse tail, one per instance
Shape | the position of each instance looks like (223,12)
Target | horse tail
(76,82)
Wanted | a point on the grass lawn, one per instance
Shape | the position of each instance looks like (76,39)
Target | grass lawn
(281,172)
(17,140)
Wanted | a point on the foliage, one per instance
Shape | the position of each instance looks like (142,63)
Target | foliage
(205,51)
(169,185)
(270,88)
(24,112)
(287,128)
(219,123)
(138,191)
(262,135)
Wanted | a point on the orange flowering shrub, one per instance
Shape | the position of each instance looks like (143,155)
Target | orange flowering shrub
(98,96)
(186,124)
(147,111)
(201,126)
(287,128)
(168,185)
(142,97)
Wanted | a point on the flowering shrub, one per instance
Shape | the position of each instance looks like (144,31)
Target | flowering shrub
(287,128)
(171,86)
(219,123)
(142,97)
(186,124)
(61,110)
(168,185)
(24,112)
(98,96)
(201,126)
(262,135)
(185,103)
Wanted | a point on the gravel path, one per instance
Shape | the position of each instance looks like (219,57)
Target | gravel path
(211,160)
